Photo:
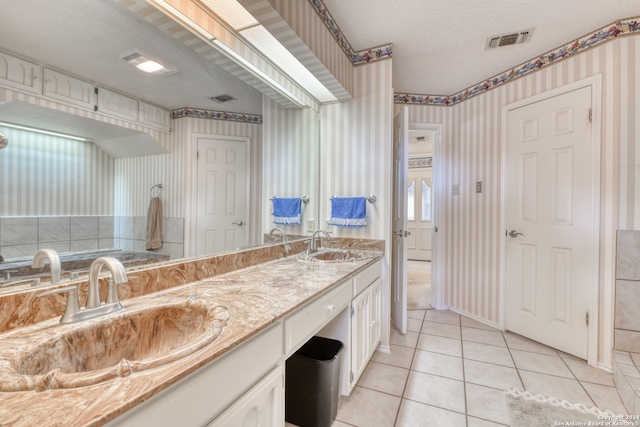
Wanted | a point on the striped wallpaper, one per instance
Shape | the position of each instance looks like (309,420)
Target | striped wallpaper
(308,25)
(471,151)
(356,150)
(43,175)
(290,160)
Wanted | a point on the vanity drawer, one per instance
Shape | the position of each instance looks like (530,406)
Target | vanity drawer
(301,325)
(363,279)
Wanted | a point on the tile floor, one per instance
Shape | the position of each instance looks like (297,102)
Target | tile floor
(449,370)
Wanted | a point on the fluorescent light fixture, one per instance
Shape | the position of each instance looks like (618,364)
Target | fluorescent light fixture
(266,43)
(232,13)
(143,62)
(182,17)
(45,132)
(150,66)
(242,61)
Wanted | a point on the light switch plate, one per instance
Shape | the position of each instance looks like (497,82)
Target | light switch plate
(311,225)
(478,186)
(455,190)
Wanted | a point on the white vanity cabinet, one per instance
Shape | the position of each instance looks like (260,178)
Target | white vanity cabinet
(262,406)
(366,327)
(20,74)
(69,90)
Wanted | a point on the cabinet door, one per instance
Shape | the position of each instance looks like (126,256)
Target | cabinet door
(375,322)
(262,406)
(153,116)
(117,105)
(360,334)
(69,90)
(20,74)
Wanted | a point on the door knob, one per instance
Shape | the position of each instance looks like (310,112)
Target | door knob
(402,233)
(514,234)
(239,224)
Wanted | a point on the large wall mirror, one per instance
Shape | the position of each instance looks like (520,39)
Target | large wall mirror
(76,196)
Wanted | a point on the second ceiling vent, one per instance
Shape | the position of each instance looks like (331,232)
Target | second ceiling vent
(523,36)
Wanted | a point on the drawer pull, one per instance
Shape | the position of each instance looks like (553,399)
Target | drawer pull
(331,307)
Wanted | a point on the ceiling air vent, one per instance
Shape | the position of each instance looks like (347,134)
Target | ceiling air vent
(509,39)
(222,98)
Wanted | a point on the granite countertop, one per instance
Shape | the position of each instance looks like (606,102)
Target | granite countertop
(254,297)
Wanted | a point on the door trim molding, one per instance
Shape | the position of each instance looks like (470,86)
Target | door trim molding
(437,293)
(191,197)
(595,83)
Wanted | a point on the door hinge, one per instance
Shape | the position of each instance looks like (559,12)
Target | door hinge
(95,90)
(587,319)
(352,311)
(351,376)
(197,155)
(590,115)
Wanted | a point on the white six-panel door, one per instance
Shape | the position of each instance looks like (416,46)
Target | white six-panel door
(420,214)
(222,209)
(550,260)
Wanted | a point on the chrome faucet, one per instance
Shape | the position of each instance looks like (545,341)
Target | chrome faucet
(312,243)
(94,308)
(54,262)
(284,236)
(117,272)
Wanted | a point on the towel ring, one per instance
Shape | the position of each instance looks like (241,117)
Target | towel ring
(159,187)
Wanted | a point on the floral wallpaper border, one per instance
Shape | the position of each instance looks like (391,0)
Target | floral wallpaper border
(357,58)
(608,32)
(217,115)
(420,162)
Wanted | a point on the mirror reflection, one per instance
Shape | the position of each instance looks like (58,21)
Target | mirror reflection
(93,197)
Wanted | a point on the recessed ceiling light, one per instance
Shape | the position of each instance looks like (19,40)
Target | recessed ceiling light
(144,63)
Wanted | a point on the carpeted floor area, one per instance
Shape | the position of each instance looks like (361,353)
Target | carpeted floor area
(418,285)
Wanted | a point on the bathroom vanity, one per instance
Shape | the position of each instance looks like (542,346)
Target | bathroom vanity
(266,303)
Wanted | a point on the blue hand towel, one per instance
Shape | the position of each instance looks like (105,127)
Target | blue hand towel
(286,211)
(348,211)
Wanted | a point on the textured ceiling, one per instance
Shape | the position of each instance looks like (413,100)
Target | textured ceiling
(439,45)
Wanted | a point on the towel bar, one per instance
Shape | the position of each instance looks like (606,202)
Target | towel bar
(371,199)
(305,199)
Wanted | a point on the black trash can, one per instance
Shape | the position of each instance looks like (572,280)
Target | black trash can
(312,386)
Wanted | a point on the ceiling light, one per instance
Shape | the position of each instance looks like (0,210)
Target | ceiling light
(242,61)
(144,63)
(266,43)
(232,13)
(45,132)
(182,17)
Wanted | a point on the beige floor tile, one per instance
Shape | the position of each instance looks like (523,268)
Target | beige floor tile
(486,403)
(366,408)
(471,323)
(517,342)
(605,397)
(415,414)
(443,316)
(399,356)
(542,363)
(584,372)
(483,336)
(487,353)
(438,364)
(560,388)
(407,340)
(414,325)
(490,375)
(441,329)
(436,391)
(384,378)
(443,345)
(477,422)
(339,424)
(416,314)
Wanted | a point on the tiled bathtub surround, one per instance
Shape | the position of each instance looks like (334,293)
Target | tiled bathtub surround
(23,236)
(627,316)
(131,235)
(626,374)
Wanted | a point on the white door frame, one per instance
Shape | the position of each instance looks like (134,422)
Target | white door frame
(437,294)
(595,83)
(191,199)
